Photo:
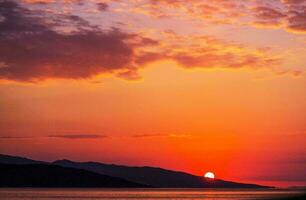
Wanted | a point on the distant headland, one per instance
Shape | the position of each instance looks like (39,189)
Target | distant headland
(23,172)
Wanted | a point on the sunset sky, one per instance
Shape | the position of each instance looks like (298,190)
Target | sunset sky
(195,86)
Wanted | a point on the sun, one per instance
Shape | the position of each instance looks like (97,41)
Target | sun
(209,175)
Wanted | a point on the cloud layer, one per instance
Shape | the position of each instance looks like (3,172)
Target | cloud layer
(287,14)
(37,45)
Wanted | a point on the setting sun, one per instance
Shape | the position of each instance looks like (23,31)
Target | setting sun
(209,175)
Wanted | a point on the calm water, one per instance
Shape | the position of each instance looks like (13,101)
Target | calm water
(188,194)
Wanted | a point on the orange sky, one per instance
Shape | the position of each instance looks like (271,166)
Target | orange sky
(196,86)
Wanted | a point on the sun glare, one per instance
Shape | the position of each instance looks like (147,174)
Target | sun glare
(209,175)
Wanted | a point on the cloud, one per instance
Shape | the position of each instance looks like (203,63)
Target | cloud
(294,73)
(33,50)
(148,135)
(268,13)
(52,1)
(197,51)
(78,136)
(37,45)
(286,14)
(161,135)
(214,11)
(297,21)
(291,16)
(266,16)
(293,1)
(102,6)
(15,137)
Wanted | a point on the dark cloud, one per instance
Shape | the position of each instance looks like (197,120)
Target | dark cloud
(149,135)
(15,137)
(78,136)
(32,49)
(268,13)
(161,135)
(102,6)
(268,16)
(297,20)
(292,16)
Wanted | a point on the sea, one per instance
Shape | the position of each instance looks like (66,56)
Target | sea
(145,194)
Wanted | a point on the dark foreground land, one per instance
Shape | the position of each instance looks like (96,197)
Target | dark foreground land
(22,172)
(42,175)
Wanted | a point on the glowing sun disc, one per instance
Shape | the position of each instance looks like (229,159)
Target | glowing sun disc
(209,175)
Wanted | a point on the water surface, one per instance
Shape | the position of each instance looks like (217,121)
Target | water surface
(143,194)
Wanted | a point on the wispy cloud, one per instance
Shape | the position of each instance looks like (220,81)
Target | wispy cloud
(160,135)
(15,137)
(78,136)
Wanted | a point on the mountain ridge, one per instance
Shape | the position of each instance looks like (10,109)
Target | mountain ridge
(47,175)
(142,175)
(154,176)
(10,159)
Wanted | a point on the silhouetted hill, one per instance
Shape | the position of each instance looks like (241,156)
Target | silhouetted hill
(102,175)
(156,177)
(6,159)
(41,175)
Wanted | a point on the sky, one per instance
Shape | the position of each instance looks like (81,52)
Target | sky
(194,86)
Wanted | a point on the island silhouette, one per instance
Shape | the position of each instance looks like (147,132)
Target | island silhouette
(23,172)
